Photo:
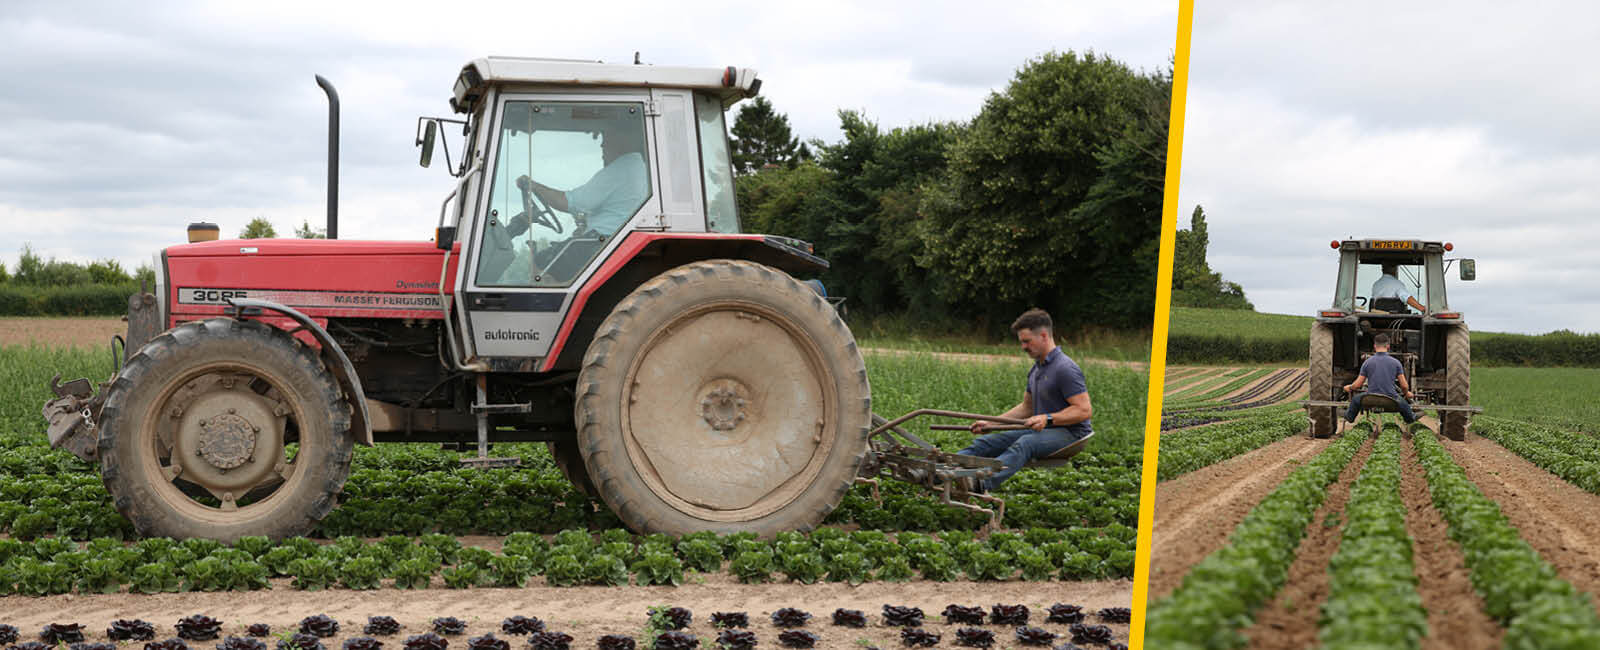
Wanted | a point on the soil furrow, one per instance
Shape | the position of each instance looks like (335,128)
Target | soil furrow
(1556,518)
(1290,620)
(1195,513)
(1456,617)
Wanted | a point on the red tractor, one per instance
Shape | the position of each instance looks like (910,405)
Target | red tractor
(587,287)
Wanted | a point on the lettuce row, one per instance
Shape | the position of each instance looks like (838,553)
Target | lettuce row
(1519,588)
(1220,594)
(1574,457)
(1373,599)
(1186,451)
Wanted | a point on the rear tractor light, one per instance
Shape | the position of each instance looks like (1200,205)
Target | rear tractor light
(1331,313)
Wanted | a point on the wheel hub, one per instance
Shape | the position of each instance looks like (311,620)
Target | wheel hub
(222,434)
(227,441)
(722,404)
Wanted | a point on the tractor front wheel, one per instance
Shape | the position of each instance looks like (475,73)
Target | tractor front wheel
(722,395)
(224,429)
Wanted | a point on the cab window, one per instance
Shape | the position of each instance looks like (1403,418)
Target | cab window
(568,177)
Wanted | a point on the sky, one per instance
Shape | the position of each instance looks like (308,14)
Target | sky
(121,125)
(1312,122)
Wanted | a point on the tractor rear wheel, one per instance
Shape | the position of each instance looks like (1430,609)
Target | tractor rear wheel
(223,429)
(1320,382)
(723,395)
(1457,382)
(569,459)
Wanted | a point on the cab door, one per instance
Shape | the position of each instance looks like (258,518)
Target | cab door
(567,176)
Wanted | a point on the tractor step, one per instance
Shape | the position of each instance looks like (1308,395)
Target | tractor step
(481,408)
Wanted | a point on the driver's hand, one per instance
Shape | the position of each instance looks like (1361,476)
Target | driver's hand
(518,224)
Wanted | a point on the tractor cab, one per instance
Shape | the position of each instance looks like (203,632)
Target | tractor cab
(1394,287)
(563,161)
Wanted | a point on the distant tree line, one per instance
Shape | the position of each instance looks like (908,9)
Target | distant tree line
(1194,284)
(1049,197)
(38,286)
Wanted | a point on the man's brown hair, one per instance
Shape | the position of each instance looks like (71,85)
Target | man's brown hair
(1034,319)
(1380,341)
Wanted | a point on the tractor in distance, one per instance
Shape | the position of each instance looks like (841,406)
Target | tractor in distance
(587,287)
(1431,344)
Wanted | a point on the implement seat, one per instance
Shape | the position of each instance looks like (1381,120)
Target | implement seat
(1375,406)
(1061,456)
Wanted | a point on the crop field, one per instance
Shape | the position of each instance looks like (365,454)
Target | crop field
(417,537)
(1266,538)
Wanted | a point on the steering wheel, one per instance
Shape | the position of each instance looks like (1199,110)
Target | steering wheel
(543,216)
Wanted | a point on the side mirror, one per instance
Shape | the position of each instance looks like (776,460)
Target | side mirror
(1469,270)
(428,135)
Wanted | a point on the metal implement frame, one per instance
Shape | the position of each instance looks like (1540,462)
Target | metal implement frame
(1414,406)
(900,455)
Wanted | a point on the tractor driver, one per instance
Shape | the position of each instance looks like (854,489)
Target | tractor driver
(1055,403)
(601,205)
(1380,374)
(1390,286)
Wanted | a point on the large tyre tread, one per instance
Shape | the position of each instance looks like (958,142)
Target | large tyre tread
(599,357)
(141,507)
(1458,378)
(1323,419)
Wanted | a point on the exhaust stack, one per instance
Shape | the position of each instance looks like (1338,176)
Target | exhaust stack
(333,156)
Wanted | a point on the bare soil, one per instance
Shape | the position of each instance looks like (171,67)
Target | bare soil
(92,331)
(1290,620)
(1456,616)
(1556,518)
(1195,513)
(586,613)
(1187,381)
(1269,378)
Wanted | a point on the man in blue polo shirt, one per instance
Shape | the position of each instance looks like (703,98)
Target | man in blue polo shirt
(1380,374)
(1055,403)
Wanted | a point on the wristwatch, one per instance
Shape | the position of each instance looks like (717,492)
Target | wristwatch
(1049,419)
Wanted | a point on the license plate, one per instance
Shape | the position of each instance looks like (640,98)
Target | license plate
(1384,244)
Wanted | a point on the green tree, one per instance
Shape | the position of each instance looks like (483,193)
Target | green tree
(1194,284)
(305,231)
(258,228)
(145,276)
(108,272)
(33,270)
(1006,227)
(761,137)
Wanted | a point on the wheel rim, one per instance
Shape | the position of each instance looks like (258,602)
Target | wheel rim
(728,411)
(215,446)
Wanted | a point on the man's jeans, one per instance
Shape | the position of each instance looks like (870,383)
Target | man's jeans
(1355,408)
(1016,448)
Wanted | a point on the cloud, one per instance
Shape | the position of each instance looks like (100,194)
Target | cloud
(125,123)
(1308,125)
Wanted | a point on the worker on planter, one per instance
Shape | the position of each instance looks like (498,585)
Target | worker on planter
(1380,374)
(1055,405)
